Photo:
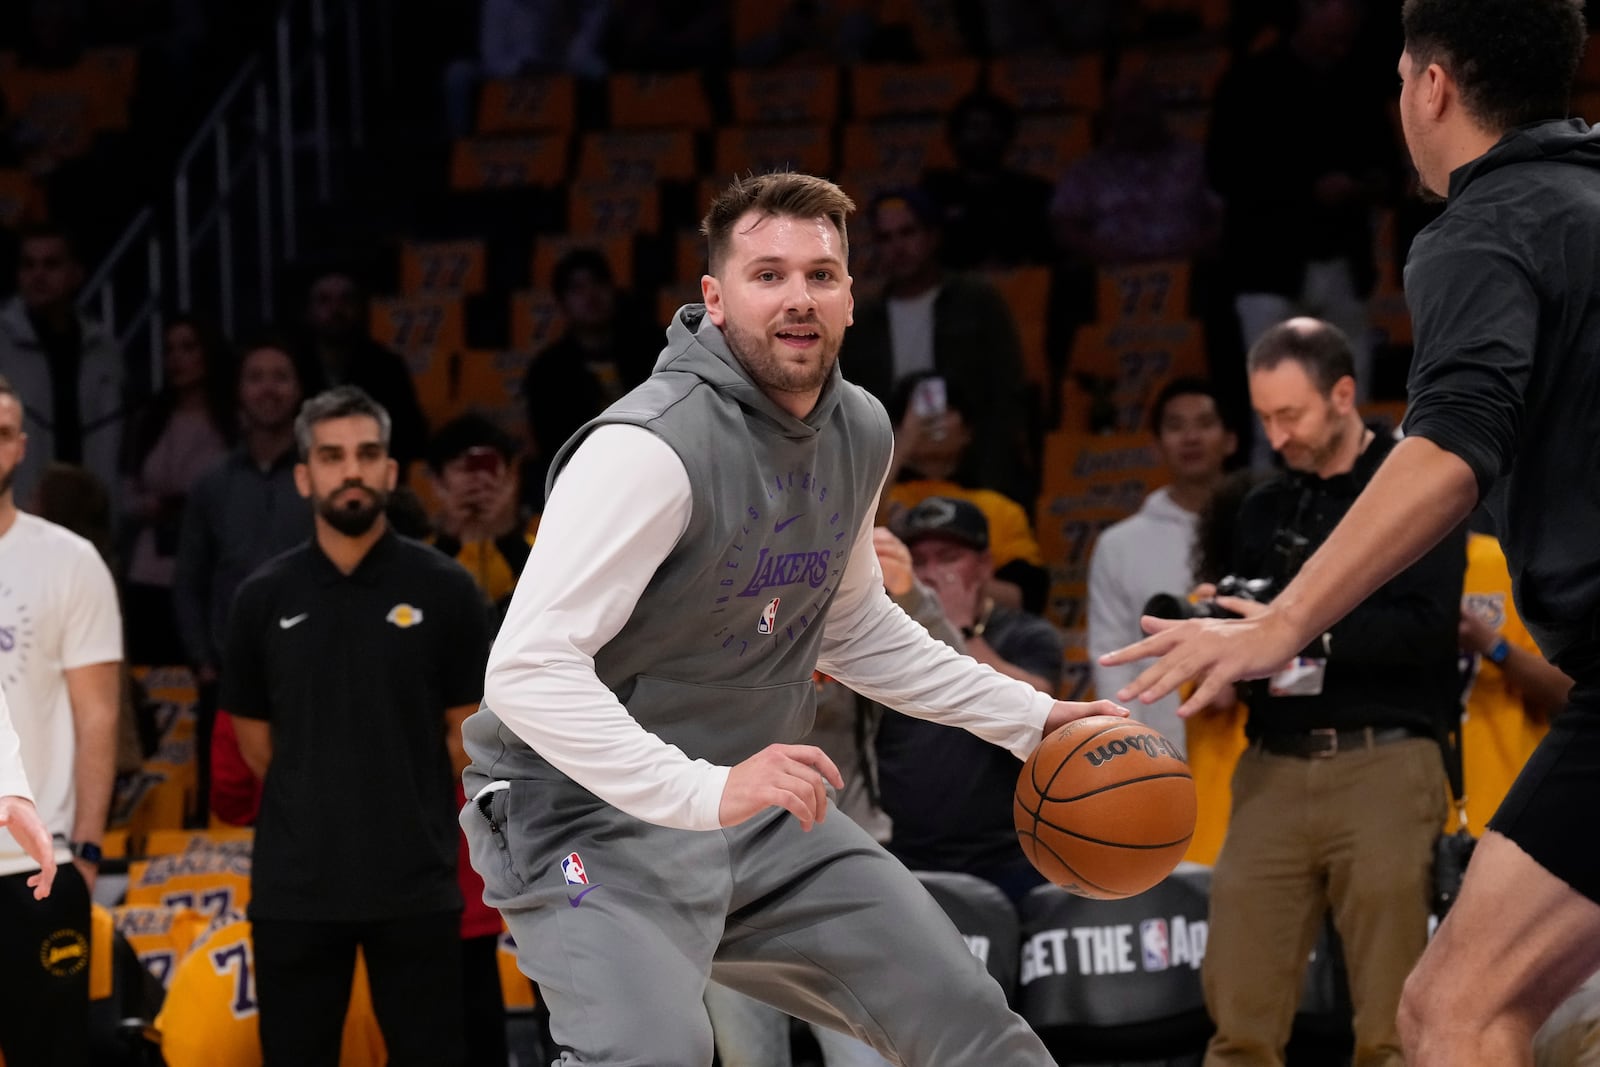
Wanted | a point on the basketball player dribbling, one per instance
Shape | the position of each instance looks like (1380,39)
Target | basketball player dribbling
(637,812)
(1504,391)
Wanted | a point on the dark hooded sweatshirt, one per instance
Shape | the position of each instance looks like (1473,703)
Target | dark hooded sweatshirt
(1506,312)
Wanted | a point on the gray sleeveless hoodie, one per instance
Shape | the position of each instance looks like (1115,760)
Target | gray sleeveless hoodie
(718,655)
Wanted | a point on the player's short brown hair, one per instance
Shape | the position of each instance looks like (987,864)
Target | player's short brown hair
(785,194)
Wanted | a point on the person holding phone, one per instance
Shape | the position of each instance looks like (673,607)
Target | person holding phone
(478,521)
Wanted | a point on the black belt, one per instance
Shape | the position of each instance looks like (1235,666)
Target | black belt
(1320,744)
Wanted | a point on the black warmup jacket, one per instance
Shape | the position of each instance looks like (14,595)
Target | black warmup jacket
(1505,304)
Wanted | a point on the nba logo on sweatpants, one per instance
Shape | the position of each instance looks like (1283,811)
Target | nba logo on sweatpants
(769,617)
(1153,940)
(572,870)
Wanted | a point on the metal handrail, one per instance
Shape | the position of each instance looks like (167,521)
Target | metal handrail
(245,156)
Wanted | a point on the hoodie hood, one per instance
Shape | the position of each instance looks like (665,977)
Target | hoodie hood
(695,345)
(1160,507)
(1557,141)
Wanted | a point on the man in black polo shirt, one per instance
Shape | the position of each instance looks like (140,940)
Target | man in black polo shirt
(1341,794)
(348,662)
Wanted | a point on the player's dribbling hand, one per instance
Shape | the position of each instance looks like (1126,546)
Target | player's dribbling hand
(792,777)
(1215,652)
(1065,711)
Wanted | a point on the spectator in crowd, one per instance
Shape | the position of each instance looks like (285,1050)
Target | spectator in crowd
(66,368)
(1214,737)
(1142,193)
(183,432)
(1149,552)
(1302,149)
(60,668)
(956,325)
(1341,794)
(992,215)
(1512,690)
(314,721)
(604,351)
(241,513)
(343,352)
(948,793)
(932,457)
(478,522)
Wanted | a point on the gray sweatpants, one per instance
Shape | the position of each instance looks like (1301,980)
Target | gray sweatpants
(825,925)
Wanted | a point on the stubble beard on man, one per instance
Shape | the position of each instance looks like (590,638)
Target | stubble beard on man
(353,522)
(754,353)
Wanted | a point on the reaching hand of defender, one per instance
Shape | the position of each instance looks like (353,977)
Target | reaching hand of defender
(792,777)
(1216,652)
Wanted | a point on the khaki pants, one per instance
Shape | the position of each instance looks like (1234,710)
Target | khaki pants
(1353,832)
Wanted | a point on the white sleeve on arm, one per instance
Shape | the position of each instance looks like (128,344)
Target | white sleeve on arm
(13,781)
(616,512)
(882,653)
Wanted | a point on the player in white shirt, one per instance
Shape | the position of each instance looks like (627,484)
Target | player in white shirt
(60,663)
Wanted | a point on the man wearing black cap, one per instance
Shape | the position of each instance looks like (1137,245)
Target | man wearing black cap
(949,793)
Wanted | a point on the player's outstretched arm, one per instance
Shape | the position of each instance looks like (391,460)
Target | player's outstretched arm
(1419,494)
(18,815)
(792,777)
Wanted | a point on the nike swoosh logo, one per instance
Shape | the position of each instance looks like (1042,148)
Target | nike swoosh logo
(779,527)
(293,621)
(575,901)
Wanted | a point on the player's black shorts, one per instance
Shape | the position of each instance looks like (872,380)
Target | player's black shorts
(1559,786)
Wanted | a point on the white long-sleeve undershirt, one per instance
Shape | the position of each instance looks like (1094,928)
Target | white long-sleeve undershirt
(621,504)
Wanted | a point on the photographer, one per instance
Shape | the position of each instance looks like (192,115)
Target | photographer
(1342,792)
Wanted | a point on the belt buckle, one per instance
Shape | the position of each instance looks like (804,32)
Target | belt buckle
(1332,736)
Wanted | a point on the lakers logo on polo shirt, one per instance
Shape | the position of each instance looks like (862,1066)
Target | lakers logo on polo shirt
(404,616)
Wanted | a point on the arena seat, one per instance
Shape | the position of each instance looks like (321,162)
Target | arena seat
(893,90)
(1049,83)
(537,103)
(658,100)
(759,149)
(501,162)
(1047,144)
(450,268)
(636,157)
(784,96)
(893,152)
(1154,292)
(602,210)
(986,918)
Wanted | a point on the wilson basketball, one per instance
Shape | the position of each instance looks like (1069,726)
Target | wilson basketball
(1105,807)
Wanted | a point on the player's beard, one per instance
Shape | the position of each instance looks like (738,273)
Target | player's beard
(7,477)
(774,375)
(353,520)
